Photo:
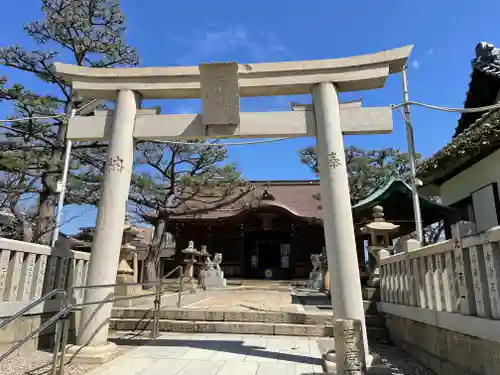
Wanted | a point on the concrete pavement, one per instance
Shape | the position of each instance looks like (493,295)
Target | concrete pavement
(217,354)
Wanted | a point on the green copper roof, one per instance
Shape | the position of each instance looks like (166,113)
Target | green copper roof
(379,196)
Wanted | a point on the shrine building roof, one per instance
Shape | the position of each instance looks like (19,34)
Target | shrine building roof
(477,135)
(301,198)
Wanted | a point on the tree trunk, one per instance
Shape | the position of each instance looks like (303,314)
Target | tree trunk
(45,220)
(153,257)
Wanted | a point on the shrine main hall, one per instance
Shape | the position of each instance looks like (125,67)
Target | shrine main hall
(274,235)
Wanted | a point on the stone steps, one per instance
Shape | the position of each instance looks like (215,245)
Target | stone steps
(238,316)
(234,327)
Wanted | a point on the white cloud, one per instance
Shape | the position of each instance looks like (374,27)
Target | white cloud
(416,64)
(203,46)
(430,51)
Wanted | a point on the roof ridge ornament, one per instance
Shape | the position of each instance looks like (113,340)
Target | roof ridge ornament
(487,52)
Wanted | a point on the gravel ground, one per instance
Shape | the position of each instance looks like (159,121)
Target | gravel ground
(37,363)
(399,362)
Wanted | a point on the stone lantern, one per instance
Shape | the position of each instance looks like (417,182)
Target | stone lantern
(204,261)
(191,253)
(379,231)
(125,274)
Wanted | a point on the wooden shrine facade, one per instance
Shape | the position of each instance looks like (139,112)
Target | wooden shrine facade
(276,238)
(267,242)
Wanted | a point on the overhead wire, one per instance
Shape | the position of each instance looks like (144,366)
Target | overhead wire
(270,140)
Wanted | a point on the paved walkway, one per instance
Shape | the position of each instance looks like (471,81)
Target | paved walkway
(243,298)
(217,354)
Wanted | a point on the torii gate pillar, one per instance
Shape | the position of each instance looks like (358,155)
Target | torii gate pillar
(345,283)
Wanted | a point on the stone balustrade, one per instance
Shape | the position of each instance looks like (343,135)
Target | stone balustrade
(456,276)
(28,271)
(441,302)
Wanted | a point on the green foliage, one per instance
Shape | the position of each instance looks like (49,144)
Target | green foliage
(82,32)
(367,170)
(182,179)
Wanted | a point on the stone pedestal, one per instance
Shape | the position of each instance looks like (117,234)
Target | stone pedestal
(98,354)
(214,279)
(374,277)
(125,275)
(123,291)
(316,280)
(326,280)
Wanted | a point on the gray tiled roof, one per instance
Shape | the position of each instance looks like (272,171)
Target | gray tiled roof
(483,84)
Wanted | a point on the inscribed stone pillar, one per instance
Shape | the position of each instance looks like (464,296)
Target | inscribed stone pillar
(347,300)
(110,220)
(349,352)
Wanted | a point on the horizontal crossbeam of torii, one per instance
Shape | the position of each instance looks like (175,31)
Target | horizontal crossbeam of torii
(151,126)
(220,86)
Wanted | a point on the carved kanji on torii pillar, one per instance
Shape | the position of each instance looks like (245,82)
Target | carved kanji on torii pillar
(220,87)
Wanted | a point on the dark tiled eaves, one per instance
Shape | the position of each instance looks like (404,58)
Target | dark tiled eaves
(478,141)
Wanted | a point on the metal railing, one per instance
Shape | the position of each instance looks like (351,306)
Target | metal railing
(61,318)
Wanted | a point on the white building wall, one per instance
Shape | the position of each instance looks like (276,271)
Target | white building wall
(476,182)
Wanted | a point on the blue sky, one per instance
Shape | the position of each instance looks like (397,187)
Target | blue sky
(188,32)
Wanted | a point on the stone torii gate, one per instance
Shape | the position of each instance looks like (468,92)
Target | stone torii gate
(220,86)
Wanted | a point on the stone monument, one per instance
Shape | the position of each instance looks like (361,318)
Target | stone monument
(316,275)
(214,276)
(379,231)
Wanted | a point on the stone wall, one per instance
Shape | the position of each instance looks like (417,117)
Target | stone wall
(444,351)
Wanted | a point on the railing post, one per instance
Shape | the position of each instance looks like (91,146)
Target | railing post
(492,263)
(156,312)
(463,275)
(59,328)
(409,246)
(181,287)
(479,278)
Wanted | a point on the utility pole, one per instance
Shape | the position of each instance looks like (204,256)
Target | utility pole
(412,159)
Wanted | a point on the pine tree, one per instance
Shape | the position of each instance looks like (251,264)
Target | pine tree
(82,32)
(183,179)
(367,170)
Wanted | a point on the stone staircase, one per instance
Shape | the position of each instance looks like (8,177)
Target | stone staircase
(316,319)
(239,322)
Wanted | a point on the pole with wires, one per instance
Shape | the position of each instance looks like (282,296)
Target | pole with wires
(62,187)
(412,160)
(85,109)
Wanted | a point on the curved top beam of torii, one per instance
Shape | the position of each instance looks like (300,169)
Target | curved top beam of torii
(262,79)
